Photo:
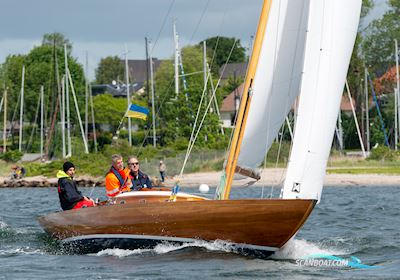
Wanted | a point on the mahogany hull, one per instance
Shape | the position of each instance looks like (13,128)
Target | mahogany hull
(254,224)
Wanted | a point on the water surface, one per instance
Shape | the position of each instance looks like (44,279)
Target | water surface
(350,221)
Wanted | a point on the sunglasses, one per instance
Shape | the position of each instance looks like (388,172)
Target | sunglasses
(133,163)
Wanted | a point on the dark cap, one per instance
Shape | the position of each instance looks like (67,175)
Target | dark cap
(67,165)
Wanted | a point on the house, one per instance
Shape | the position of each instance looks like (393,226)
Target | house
(233,70)
(137,71)
(230,106)
(117,89)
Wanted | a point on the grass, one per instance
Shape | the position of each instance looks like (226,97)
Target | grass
(199,161)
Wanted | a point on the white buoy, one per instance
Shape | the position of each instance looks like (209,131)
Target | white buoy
(204,188)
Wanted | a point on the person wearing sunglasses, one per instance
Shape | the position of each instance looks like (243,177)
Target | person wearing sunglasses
(117,179)
(138,179)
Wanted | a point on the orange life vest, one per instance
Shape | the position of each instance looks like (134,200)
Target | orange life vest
(117,181)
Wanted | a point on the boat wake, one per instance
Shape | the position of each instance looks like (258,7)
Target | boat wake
(298,248)
(294,249)
(20,251)
(167,247)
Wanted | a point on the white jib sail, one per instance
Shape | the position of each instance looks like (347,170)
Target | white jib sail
(277,80)
(332,32)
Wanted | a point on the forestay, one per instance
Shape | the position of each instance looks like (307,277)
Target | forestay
(332,31)
(277,80)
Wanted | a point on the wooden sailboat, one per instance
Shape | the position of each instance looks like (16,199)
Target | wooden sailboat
(295,56)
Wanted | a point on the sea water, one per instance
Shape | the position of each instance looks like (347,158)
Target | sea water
(351,223)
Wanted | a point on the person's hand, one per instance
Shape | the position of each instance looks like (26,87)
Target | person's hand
(128,183)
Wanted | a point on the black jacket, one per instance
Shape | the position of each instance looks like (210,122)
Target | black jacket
(141,181)
(68,193)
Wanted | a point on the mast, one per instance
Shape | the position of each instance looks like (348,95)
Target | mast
(1,103)
(152,101)
(176,64)
(340,131)
(77,113)
(86,99)
(397,84)
(128,98)
(41,121)
(5,121)
(246,98)
(147,71)
(64,153)
(21,111)
(366,109)
(355,119)
(395,120)
(205,63)
(93,122)
(67,103)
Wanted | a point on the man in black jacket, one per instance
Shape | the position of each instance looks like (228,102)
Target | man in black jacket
(138,178)
(70,196)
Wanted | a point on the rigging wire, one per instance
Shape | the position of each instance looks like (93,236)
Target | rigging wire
(172,81)
(198,23)
(278,155)
(208,107)
(163,25)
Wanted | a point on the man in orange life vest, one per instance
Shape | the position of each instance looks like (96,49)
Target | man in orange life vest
(70,197)
(117,179)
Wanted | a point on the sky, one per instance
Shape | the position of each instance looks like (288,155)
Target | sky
(105,27)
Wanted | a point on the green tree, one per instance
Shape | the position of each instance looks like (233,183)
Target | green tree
(110,68)
(57,39)
(177,115)
(355,78)
(378,44)
(109,110)
(42,64)
(219,48)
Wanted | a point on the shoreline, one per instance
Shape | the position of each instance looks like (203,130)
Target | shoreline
(270,177)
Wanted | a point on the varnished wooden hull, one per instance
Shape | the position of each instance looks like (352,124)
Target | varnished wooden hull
(262,225)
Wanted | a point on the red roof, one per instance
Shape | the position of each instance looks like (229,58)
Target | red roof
(228,104)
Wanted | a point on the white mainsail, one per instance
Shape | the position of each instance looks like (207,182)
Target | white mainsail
(277,80)
(332,32)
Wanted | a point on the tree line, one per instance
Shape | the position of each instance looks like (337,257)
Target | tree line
(175,115)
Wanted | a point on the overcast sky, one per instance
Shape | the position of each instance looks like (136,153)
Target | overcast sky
(103,27)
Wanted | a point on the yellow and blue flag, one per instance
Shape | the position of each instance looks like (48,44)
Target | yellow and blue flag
(138,112)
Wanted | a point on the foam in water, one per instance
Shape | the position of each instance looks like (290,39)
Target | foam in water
(3,225)
(121,253)
(297,249)
(21,251)
(166,247)
(294,249)
(217,245)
